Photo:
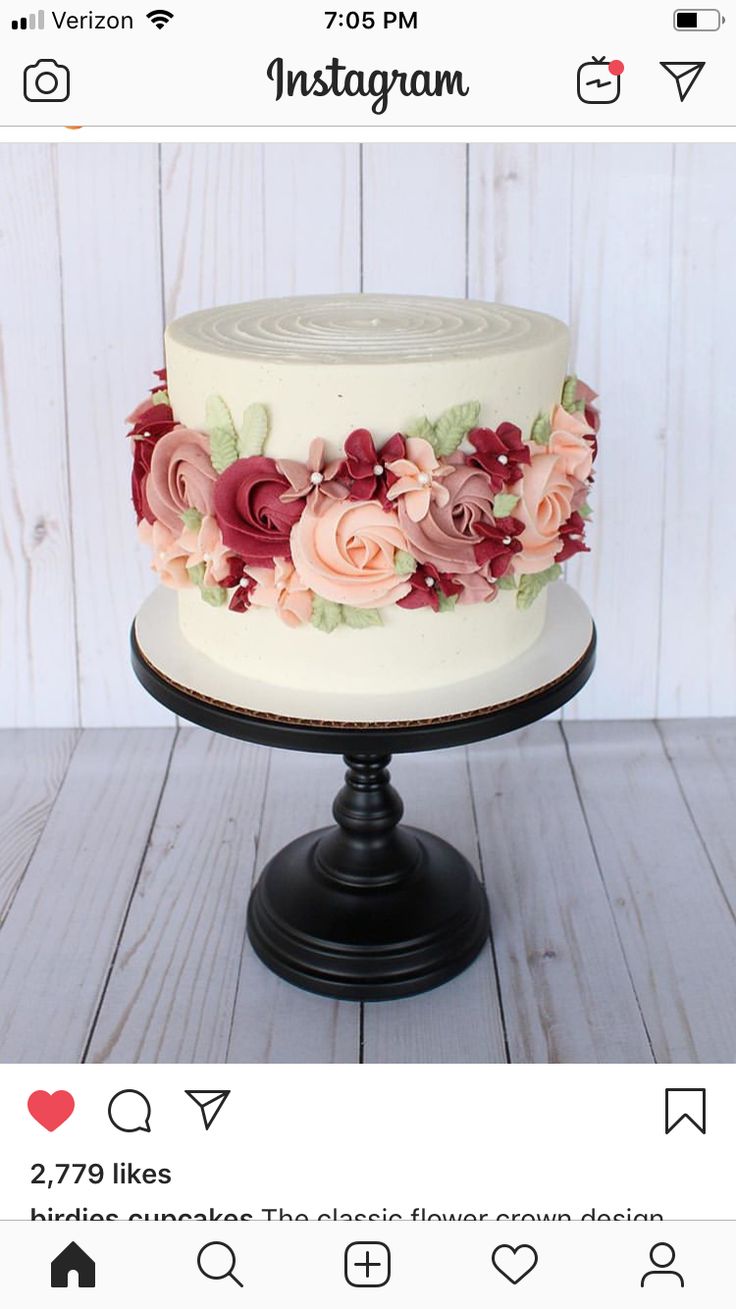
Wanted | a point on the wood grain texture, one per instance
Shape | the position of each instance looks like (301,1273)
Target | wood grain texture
(32,768)
(621,227)
(414,219)
(697,663)
(311,219)
(38,659)
(565,989)
(460,1022)
(58,940)
(677,929)
(703,755)
(211,225)
(172,987)
(111,274)
(273,1021)
(519,230)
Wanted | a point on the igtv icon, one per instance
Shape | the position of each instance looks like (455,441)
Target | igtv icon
(34,22)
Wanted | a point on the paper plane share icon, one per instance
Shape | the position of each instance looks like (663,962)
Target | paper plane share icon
(685,75)
(210,1103)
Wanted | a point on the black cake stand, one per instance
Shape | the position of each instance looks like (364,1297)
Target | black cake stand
(369,909)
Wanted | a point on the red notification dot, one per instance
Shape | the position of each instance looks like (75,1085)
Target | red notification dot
(615,68)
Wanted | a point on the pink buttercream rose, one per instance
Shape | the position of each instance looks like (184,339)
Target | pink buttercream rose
(547,498)
(449,532)
(181,477)
(170,558)
(570,439)
(282,589)
(346,550)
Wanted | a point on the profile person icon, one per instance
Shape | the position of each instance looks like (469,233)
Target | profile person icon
(662,1256)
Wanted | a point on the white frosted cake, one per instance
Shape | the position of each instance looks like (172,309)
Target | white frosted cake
(363,493)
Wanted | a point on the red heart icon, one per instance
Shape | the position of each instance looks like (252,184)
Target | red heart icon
(50,1110)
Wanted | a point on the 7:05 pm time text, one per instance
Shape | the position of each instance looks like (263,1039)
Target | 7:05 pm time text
(365,19)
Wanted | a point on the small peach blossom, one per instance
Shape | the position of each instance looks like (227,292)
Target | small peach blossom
(419,478)
(281,588)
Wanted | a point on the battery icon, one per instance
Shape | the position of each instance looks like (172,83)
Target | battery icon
(698,20)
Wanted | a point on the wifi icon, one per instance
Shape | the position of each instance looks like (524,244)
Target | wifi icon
(160,17)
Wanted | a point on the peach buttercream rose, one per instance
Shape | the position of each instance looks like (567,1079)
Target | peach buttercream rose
(548,496)
(345,551)
(181,477)
(570,439)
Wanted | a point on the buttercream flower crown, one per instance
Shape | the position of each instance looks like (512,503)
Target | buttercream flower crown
(445,513)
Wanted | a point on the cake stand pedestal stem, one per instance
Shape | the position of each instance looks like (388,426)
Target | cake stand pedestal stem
(368,909)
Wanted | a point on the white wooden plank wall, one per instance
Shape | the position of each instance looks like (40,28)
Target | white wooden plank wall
(634,245)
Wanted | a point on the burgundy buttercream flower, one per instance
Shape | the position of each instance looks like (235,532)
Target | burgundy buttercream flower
(499,544)
(254,520)
(240,599)
(149,423)
(500,453)
(572,534)
(426,582)
(365,467)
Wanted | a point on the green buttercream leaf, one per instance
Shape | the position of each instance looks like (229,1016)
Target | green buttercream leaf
(531,584)
(361,617)
(577,408)
(446,602)
(253,431)
(326,615)
(569,392)
(196,574)
(453,426)
(585,510)
(504,504)
(160,398)
(542,430)
(213,595)
(404,563)
(421,427)
(506,583)
(222,434)
(192,519)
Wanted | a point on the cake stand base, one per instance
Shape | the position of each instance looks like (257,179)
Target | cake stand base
(368,910)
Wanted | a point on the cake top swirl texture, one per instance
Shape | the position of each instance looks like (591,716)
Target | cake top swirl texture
(356,329)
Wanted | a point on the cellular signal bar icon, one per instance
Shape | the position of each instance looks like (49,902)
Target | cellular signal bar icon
(34,22)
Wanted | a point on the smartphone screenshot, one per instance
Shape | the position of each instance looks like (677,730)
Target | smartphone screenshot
(367,654)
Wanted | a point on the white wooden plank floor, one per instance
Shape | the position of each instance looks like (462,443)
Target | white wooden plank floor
(608,851)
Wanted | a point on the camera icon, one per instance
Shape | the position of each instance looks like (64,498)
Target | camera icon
(46,80)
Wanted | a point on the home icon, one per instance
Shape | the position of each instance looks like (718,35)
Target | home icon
(73,1260)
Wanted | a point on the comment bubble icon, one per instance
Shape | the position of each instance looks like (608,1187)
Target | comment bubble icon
(130,1111)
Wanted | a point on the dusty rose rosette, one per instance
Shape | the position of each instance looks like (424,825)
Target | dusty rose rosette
(451,514)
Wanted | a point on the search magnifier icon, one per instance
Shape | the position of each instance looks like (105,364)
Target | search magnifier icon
(216,1260)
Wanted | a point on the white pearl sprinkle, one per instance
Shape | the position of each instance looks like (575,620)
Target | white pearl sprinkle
(575,536)
(430,581)
(377,470)
(423,479)
(491,580)
(507,540)
(316,478)
(503,459)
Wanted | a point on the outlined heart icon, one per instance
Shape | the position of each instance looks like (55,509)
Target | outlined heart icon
(514,1262)
(51,1110)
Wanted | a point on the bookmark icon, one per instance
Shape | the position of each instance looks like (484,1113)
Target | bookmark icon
(209,1103)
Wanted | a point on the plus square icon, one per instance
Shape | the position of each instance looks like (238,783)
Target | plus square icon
(367,1263)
